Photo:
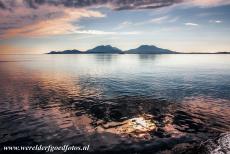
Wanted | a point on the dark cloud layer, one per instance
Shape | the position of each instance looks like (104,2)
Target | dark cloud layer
(114,4)
(2,6)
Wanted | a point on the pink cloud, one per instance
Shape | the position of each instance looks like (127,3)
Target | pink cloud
(42,21)
(55,17)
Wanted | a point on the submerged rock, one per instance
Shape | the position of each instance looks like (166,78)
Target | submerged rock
(219,145)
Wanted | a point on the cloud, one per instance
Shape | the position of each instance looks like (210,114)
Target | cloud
(159,19)
(209,3)
(218,21)
(43,20)
(56,17)
(191,24)
(97,32)
(215,21)
(124,24)
(114,4)
(35,18)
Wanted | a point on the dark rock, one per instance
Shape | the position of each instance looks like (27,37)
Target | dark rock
(149,49)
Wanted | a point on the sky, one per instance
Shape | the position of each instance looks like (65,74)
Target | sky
(40,26)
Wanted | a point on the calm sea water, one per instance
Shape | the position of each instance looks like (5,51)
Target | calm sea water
(132,103)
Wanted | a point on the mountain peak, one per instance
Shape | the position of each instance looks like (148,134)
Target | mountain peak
(104,49)
(103,46)
(146,46)
(149,49)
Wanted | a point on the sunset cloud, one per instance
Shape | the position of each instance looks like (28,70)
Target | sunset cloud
(113,4)
(56,17)
(42,21)
(54,26)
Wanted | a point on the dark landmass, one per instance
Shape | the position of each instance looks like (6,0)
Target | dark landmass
(223,53)
(66,52)
(143,49)
(204,53)
(104,49)
(149,49)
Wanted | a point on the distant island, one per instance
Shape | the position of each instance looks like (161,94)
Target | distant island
(66,52)
(149,49)
(143,49)
(104,49)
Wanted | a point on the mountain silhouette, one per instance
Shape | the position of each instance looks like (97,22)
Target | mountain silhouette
(105,49)
(74,51)
(149,49)
(108,49)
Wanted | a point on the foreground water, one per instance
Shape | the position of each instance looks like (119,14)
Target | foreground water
(128,103)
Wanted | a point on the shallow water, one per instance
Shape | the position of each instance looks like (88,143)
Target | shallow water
(133,103)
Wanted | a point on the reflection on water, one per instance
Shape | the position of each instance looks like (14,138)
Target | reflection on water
(133,103)
(196,111)
(134,127)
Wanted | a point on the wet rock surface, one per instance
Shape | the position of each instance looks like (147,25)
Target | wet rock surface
(219,145)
